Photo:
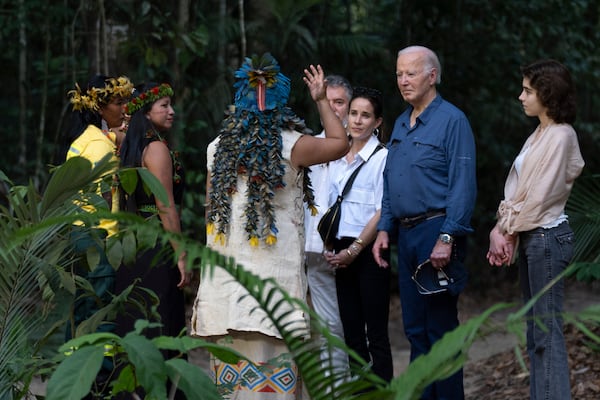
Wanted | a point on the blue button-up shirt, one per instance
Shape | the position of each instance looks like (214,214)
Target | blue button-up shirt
(430,166)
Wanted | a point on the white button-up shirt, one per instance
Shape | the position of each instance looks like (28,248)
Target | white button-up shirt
(319,177)
(364,198)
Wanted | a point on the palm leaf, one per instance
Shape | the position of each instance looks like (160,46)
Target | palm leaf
(27,263)
(584,217)
(446,357)
(34,246)
(321,381)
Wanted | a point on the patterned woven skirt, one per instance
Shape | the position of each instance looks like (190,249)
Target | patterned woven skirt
(272,374)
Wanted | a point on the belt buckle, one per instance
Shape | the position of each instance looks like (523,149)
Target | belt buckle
(409,222)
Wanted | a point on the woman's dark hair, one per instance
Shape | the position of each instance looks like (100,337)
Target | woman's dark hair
(80,120)
(555,89)
(136,138)
(373,95)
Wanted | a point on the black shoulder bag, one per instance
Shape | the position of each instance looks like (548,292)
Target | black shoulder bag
(330,221)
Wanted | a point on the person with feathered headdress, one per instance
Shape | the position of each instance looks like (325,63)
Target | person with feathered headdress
(256,189)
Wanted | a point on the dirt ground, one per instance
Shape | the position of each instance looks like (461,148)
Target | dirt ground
(493,371)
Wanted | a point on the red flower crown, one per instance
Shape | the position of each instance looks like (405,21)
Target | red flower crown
(149,96)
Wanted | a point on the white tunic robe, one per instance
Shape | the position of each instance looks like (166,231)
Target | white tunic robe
(220,305)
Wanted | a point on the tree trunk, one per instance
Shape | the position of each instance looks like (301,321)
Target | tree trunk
(242,30)
(39,153)
(104,42)
(183,19)
(91,28)
(221,37)
(22,157)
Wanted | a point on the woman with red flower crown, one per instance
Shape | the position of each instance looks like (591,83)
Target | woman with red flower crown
(158,268)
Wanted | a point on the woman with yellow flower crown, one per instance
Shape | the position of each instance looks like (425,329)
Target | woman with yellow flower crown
(256,187)
(95,131)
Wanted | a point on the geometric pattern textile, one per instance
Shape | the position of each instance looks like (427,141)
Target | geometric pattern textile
(262,378)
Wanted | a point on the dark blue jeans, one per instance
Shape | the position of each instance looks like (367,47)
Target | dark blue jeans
(544,254)
(427,318)
(363,290)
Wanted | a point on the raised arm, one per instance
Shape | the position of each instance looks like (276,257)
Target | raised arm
(310,150)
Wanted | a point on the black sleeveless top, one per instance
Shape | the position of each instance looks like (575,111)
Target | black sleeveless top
(141,201)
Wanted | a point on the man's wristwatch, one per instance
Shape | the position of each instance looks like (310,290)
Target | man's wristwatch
(446,238)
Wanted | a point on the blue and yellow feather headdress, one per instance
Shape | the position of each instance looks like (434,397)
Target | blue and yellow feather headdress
(250,145)
(260,84)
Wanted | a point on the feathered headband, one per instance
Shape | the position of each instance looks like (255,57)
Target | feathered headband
(260,86)
(149,96)
(94,97)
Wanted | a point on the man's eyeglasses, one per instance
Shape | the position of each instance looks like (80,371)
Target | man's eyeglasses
(438,279)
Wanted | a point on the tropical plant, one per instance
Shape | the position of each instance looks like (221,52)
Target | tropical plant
(34,290)
(446,357)
(37,288)
(584,216)
(138,363)
(34,241)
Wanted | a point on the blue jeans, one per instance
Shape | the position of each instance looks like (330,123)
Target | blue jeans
(544,254)
(427,318)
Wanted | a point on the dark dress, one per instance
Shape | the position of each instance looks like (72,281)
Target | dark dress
(156,267)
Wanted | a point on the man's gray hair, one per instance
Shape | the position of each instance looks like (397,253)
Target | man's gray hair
(431,59)
(339,81)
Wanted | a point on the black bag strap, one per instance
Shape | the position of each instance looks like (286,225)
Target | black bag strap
(350,180)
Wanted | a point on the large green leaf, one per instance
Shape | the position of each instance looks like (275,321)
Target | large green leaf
(192,380)
(74,175)
(128,179)
(154,185)
(80,368)
(149,364)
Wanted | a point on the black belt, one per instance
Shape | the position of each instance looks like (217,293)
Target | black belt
(409,222)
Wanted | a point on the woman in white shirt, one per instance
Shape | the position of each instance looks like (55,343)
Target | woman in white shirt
(363,288)
(532,220)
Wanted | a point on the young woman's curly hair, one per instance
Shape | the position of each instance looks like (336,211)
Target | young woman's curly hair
(554,87)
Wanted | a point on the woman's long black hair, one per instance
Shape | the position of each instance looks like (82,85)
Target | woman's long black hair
(137,138)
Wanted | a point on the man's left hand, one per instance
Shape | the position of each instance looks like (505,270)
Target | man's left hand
(440,255)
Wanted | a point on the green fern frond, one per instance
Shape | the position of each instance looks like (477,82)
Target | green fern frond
(584,217)
(322,382)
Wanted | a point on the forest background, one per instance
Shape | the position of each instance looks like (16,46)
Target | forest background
(196,45)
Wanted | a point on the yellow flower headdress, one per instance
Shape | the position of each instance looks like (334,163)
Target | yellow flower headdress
(92,98)
(118,87)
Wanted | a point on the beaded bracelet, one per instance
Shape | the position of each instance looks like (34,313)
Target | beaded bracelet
(355,248)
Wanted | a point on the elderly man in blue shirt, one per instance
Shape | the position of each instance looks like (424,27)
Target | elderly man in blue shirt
(429,196)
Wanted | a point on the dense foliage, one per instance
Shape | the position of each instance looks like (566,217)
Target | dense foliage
(196,46)
(36,289)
